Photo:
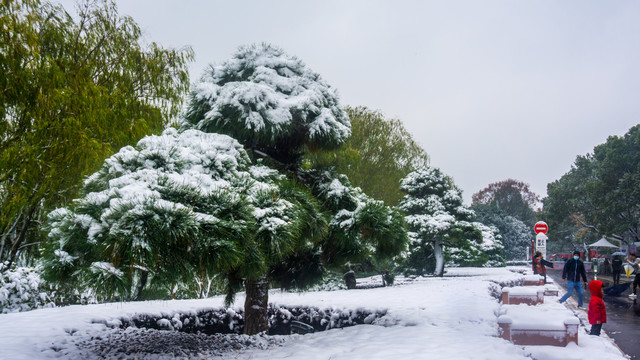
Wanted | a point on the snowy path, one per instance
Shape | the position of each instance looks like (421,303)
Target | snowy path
(431,318)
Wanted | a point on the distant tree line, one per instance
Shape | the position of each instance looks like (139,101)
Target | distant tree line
(510,206)
(599,196)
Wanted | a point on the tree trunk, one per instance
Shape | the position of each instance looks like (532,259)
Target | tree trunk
(256,319)
(21,236)
(439,255)
(144,277)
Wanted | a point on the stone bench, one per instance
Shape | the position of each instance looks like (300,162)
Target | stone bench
(523,295)
(540,325)
(533,280)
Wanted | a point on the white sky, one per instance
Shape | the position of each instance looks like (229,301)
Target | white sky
(491,89)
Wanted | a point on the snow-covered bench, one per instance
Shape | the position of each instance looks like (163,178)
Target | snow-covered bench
(523,295)
(533,280)
(549,288)
(531,295)
(540,325)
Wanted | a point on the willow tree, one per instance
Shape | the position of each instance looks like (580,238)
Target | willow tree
(278,108)
(379,153)
(73,90)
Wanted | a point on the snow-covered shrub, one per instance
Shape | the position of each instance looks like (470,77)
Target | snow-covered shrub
(361,226)
(330,282)
(22,289)
(230,321)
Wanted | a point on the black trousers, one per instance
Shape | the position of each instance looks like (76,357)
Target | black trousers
(616,277)
(595,329)
(636,282)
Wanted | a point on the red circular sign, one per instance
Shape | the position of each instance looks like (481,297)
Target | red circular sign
(541,227)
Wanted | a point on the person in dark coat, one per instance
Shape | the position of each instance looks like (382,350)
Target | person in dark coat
(597,313)
(572,272)
(616,267)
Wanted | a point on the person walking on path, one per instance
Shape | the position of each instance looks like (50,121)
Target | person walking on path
(635,262)
(538,266)
(572,271)
(616,267)
(597,313)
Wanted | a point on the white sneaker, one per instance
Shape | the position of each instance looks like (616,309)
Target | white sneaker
(582,308)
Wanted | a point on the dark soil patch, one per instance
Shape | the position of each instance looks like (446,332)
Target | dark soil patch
(207,333)
(134,343)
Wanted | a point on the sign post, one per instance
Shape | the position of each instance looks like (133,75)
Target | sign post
(541,244)
(540,229)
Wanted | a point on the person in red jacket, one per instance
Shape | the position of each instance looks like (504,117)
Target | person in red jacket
(538,266)
(597,312)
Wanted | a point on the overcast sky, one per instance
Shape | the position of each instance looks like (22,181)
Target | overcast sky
(491,89)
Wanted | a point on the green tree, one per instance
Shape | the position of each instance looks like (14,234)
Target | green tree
(379,153)
(510,196)
(600,192)
(436,217)
(278,108)
(73,91)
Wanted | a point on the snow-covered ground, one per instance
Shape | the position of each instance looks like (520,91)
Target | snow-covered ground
(454,317)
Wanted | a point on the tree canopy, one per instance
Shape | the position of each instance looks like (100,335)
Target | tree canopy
(379,153)
(269,101)
(510,196)
(601,191)
(73,91)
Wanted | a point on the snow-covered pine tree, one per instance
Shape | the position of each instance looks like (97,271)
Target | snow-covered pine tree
(175,208)
(275,106)
(436,216)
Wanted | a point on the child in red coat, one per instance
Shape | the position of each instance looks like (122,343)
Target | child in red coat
(597,312)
